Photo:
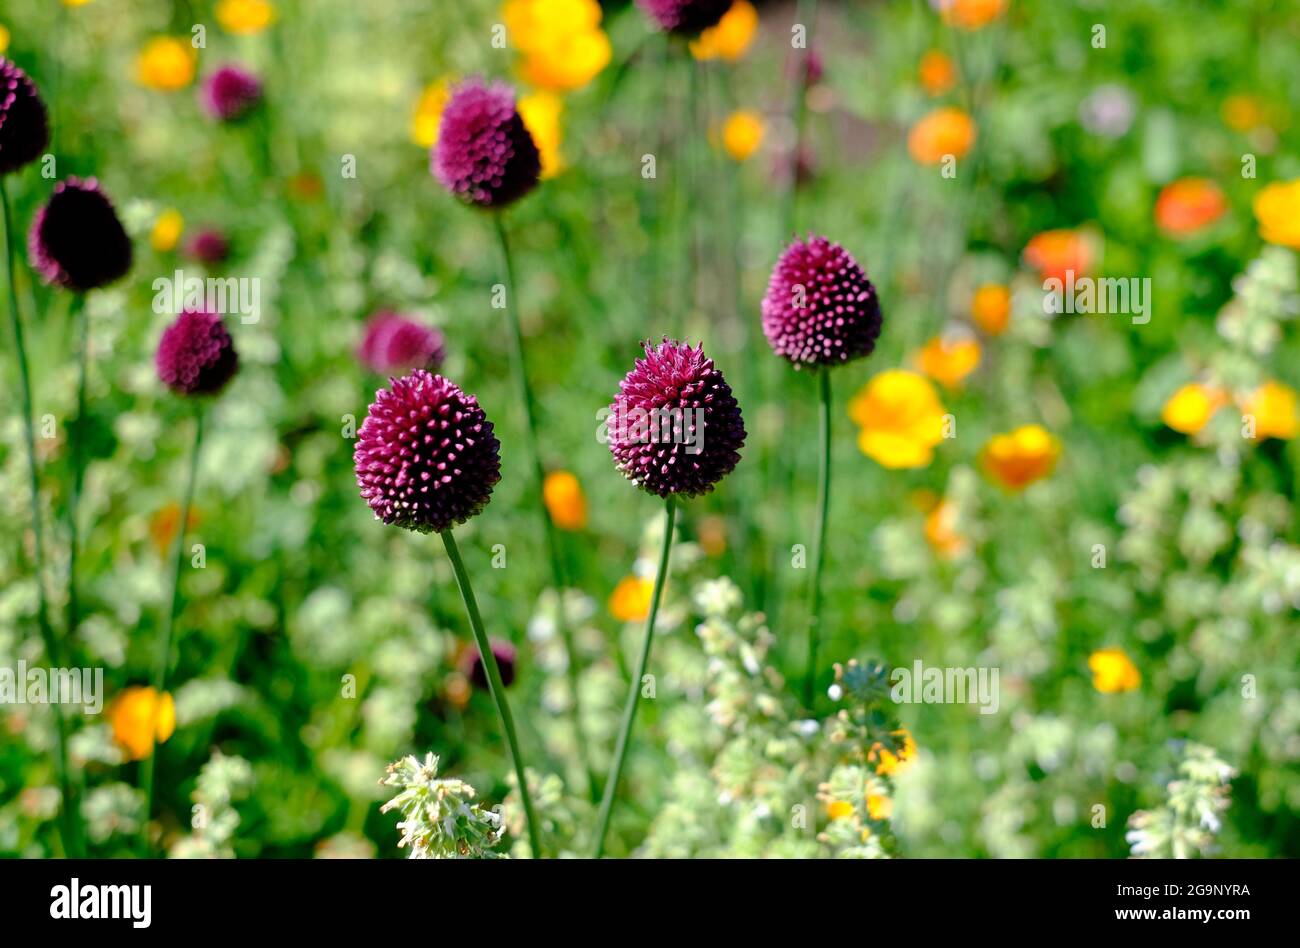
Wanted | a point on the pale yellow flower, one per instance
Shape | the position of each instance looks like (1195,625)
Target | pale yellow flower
(900,419)
(1113,671)
(562,43)
(541,112)
(167,230)
(245,17)
(732,35)
(166,64)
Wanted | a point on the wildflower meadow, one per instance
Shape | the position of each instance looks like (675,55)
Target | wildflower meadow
(657,429)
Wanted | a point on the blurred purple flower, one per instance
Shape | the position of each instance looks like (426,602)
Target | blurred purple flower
(395,344)
(485,155)
(209,246)
(76,240)
(230,93)
(24,128)
(196,355)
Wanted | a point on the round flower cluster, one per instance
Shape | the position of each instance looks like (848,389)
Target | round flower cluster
(485,155)
(196,355)
(687,17)
(76,240)
(24,128)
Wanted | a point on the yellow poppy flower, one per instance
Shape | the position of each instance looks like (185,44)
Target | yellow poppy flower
(630,601)
(245,17)
(1112,671)
(731,37)
(742,133)
(900,419)
(565,501)
(1190,408)
(140,718)
(563,45)
(1273,406)
(1277,208)
(427,117)
(1020,457)
(166,64)
(167,230)
(541,112)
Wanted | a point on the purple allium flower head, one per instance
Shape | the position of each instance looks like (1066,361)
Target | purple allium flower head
(394,344)
(687,17)
(485,155)
(196,355)
(820,308)
(76,240)
(505,655)
(426,456)
(24,128)
(230,93)
(674,426)
(209,246)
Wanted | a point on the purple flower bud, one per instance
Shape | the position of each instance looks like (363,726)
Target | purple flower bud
(196,355)
(394,344)
(209,247)
(24,128)
(820,308)
(485,155)
(674,426)
(505,655)
(426,456)
(76,240)
(230,93)
(687,17)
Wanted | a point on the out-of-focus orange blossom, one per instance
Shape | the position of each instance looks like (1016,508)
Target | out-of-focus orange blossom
(940,133)
(1018,458)
(937,72)
(1190,408)
(990,308)
(1188,205)
(140,717)
(630,601)
(971,14)
(166,64)
(949,359)
(900,419)
(565,501)
(1113,671)
(1273,407)
(1277,208)
(1054,253)
(731,37)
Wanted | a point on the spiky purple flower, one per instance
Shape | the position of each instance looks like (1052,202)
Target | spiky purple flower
(76,240)
(196,355)
(674,426)
(24,128)
(209,246)
(505,655)
(426,456)
(395,344)
(485,155)
(686,17)
(820,308)
(230,93)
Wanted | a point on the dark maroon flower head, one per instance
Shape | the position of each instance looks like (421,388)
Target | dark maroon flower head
(674,426)
(209,246)
(687,17)
(196,355)
(503,652)
(485,155)
(426,456)
(230,93)
(76,240)
(820,308)
(395,344)
(24,128)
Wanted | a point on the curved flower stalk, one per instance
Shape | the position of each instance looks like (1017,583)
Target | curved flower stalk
(675,430)
(195,357)
(486,157)
(820,311)
(426,460)
(440,817)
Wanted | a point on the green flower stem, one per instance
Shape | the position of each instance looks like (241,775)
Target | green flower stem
(162,659)
(76,452)
(819,540)
(520,370)
(495,685)
(70,820)
(634,692)
(805,13)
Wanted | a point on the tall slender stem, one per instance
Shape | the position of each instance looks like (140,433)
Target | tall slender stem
(76,455)
(634,691)
(520,370)
(69,817)
(162,659)
(495,685)
(819,541)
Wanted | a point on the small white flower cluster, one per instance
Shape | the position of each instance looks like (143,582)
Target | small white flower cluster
(440,819)
(1185,826)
